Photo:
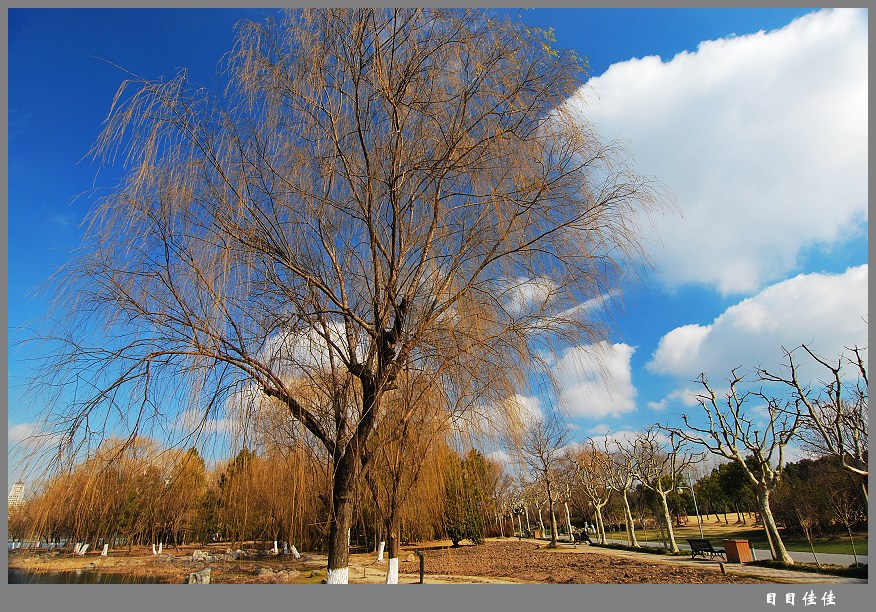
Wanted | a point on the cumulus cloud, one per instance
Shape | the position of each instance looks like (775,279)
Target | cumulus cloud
(762,138)
(596,380)
(825,311)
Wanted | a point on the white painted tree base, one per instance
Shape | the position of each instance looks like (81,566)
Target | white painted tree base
(380,551)
(392,571)
(337,576)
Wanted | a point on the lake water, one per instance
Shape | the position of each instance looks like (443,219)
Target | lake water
(18,576)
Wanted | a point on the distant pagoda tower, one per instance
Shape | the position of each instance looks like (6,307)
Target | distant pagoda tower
(16,495)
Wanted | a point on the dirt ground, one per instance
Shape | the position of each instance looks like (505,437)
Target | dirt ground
(493,562)
(530,562)
(496,561)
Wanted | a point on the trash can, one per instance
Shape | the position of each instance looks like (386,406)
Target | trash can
(737,551)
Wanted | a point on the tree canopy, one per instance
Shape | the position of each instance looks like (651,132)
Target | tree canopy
(372,191)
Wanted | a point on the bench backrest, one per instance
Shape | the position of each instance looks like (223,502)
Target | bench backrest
(696,543)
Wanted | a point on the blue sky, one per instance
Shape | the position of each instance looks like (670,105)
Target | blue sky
(757,124)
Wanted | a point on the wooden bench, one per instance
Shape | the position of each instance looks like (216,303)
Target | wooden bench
(580,535)
(704,548)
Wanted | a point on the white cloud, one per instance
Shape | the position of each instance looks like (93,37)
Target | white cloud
(659,406)
(30,436)
(501,457)
(528,296)
(825,311)
(687,396)
(528,408)
(763,139)
(596,380)
(195,420)
(21,432)
(624,438)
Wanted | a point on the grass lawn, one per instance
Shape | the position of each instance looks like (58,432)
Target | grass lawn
(719,531)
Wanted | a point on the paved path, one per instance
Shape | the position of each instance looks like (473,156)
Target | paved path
(803,557)
(784,576)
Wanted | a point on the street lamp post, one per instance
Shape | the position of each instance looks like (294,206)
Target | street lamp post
(696,507)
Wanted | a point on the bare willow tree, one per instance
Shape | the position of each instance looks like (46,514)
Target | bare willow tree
(371,188)
(756,442)
(836,420)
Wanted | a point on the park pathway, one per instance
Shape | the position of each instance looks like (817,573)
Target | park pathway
(802,557)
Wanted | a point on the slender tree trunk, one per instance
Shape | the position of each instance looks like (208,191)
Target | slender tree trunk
(852,542)
(808,532)
(667,518)
(604,535)
(631,527)
(540,522)
(526,510)
(769,525)
(600,529)
(553,543)
(568,519)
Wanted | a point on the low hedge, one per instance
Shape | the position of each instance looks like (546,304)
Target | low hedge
(851,571)
(651,550)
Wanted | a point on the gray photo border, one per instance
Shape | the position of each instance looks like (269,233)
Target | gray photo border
(423,598)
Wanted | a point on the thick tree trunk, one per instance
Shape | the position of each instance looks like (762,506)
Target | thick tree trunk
(779,551)
(341,519)
(631,526)
(392,565)
(667,518)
